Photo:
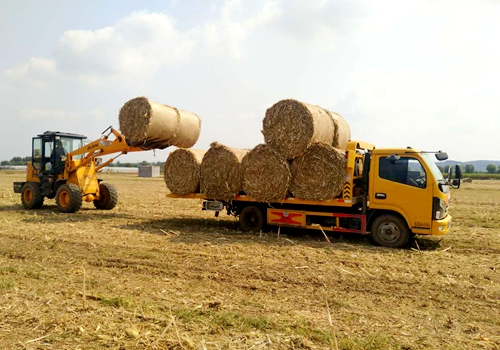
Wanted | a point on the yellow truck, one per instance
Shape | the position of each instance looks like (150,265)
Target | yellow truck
(390,194)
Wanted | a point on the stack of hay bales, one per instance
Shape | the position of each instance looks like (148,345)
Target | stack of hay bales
(149,124)
(304,153)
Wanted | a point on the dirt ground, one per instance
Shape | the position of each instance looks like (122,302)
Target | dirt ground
(159,273)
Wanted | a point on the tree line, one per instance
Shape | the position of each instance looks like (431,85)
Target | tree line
(26,160)
(470,169)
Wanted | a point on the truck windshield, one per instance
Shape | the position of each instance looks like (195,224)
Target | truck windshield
(433,167)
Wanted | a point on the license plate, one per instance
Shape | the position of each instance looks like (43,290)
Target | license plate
(213,205)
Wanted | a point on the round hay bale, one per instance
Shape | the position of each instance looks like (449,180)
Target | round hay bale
(266,174)
(149,124)
(319,173)
(291,126)
(182,171)
(221,171)
(342,133)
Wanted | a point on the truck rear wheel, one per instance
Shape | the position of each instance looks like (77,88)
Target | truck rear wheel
(108,197)
(31,195)
(68,198)
(391,231)
(252,219)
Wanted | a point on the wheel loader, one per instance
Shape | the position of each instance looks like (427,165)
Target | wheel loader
(65,168)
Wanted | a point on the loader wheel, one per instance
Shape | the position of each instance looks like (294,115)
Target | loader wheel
(252,219)
(31,195)
(390,231)
(68,198)
(109,197)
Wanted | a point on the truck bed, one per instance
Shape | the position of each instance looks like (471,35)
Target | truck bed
(336,202)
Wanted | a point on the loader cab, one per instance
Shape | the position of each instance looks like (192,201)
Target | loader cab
(49,151)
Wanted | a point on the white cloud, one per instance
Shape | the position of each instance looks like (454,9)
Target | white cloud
(140,44)
(37,69)
(229,34)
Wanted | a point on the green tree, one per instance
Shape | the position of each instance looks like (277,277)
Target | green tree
(441,169)
(469,168)
(491,168)
(446,169)
(498,169)
(5,162)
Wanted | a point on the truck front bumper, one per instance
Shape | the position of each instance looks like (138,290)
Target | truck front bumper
(441,227)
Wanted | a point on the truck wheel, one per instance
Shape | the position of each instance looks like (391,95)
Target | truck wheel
(390,231)
(68,198)
(252,219)
(31,195)
(109,197)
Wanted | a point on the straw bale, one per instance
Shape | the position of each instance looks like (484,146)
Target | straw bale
(342,133)
(182,171)
(291,126)
(266,174)
(319,173)
(149,124)
(221,171)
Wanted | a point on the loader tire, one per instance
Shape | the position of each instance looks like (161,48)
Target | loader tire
(68,198)
(390,230)
(31,195)
(109,197)
(252,219)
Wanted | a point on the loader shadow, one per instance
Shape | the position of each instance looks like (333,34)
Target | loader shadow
(12,207)
(50,214)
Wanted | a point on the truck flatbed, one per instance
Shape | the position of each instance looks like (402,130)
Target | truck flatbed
(337,202)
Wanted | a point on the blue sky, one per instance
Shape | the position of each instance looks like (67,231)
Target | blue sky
(402,73)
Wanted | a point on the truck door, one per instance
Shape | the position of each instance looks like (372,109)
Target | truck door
(402,185)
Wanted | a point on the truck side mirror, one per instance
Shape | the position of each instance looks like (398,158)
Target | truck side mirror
(441,156)
(456,183)
(458,172)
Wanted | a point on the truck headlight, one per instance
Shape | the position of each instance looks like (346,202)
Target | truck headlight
(439,208)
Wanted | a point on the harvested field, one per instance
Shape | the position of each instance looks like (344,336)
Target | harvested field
(160,273)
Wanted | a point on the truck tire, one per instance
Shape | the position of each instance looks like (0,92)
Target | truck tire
(31,195)
(68,198)
(391,231)
(109,197)
(252,219)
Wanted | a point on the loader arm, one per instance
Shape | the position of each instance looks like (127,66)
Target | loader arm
(100,147)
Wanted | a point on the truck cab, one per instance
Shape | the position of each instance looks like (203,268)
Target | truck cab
(406,185)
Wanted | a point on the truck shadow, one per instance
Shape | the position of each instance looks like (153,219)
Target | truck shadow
(216,231)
